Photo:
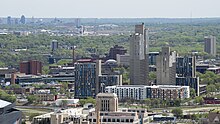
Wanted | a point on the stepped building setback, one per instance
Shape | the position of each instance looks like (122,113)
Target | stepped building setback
(139,67)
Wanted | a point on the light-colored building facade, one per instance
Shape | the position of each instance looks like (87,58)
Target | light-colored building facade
(210,45)
(123,60)
(166,67)
(141,92)
(107,112)
(139,67)
(67,116)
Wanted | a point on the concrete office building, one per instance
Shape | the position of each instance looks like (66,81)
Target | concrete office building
(107,112)
(8,114)
(210,45)
(107,102)
(141,92)
(139,56)
(166,67)
(31,67)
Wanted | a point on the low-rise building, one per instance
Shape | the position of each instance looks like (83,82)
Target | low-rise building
(107,112)
(9,115)
(123,59)
(67,116)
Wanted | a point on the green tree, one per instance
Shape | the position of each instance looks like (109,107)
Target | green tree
(45,70)
(177,102)
(211,88)
(178,112)
(32,98)
(64,103)
(192,93)
(7,97)
(152,76)
(199,100)
(147,101)
(87,100)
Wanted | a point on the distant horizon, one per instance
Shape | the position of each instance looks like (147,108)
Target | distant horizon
(114,17)
(111,8)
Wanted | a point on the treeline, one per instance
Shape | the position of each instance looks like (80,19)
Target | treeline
(38,45)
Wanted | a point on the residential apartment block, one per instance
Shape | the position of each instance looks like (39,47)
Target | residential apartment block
(139,56)
(141,92)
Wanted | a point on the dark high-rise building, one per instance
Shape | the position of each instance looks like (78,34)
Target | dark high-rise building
(22,19)
(89,80)
(152,57)
(185,66)
(186,73)
(54,45)
(31,67)
(210,45)
(9,21)
(139,67)
(116,50)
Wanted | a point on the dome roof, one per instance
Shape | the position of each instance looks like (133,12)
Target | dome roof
(111,61)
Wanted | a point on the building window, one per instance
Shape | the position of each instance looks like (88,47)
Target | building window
(118,120)
(127,120)
(113,120)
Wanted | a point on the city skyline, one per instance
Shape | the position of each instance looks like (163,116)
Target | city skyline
(111,9)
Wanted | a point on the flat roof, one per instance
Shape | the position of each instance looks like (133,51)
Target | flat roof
(4,103)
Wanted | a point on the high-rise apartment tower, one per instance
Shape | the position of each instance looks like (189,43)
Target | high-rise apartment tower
(139,67)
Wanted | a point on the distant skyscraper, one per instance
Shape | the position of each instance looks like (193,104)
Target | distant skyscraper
(54,45)
(210,45)
(22,19)
(78,23)
(16,21)
(9,21)
(166,67)
(1,21)
(139,67)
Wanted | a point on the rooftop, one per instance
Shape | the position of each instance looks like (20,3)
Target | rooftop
(4,103)
(107,94)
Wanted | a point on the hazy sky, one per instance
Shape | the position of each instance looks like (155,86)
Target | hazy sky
(110,8)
